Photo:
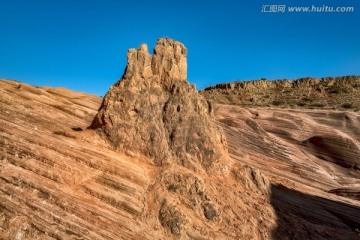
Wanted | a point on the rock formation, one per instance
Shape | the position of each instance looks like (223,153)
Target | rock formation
(264,85)
(58,181)
(159,167)
(325,93)
(153,110)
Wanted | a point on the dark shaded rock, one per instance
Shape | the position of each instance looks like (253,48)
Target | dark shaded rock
(347,192)
(335,148)
(77,129)
(210,211)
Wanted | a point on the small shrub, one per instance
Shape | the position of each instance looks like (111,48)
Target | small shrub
(301,104)
(317,105)
(334,89)
(306,99)
(277,102)
(172,188)
(337,89)
(347,105)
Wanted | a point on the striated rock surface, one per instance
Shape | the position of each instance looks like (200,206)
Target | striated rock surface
(153,110)
(317,148)
(59,180)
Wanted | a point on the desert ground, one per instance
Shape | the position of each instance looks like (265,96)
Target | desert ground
(59,180)
(155,159)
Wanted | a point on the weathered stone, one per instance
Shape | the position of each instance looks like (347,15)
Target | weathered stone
(210,211)
(251,178)
(172,218)
(153,110)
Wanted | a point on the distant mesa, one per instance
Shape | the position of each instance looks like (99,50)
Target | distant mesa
(310,93)
(154,110)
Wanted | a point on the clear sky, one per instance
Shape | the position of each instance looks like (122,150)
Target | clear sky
(82,45)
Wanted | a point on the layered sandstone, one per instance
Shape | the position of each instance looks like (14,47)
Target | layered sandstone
(157,165)
(58,181)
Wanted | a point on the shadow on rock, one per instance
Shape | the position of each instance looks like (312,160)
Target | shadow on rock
(302,216)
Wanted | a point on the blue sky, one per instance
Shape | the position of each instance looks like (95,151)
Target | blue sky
(82,45)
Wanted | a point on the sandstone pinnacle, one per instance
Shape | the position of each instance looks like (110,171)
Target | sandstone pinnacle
(154,110)
(168,62)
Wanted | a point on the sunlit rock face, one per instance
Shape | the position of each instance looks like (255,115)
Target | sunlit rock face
(154,110)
